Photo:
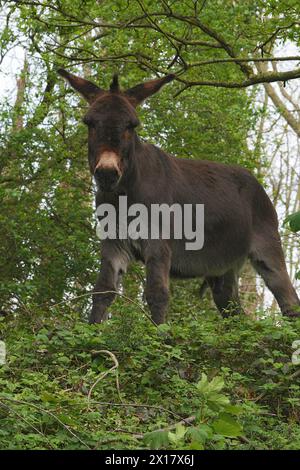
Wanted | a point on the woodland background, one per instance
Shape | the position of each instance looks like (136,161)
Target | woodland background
(198,382)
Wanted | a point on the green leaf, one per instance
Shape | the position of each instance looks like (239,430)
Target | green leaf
(49,397)
(293,221)
(233,409)
(67,420)
(178,435)
(227,426)
(200,433)
(215,385)
(202,385)
(195,445)
(218,399)
(164,328)
(156,439)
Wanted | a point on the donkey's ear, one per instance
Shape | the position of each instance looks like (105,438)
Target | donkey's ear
(139,93)
(87,89)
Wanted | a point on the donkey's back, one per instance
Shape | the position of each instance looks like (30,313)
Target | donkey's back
(240,223)
(237,210)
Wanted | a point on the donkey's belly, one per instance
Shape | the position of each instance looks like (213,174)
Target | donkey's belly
(205,262)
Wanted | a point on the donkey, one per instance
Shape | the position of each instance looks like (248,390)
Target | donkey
(240,220)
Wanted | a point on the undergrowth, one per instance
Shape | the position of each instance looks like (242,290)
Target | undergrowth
(197,382)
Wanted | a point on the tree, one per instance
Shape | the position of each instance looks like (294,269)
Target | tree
(46,191)
(207,113)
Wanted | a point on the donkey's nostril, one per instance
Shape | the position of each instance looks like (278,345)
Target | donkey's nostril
(107,178)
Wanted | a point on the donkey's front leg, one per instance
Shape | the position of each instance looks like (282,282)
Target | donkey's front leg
(113,264)
(158,263)
(104,292)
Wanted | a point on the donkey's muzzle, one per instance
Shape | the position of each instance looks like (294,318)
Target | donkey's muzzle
(107,178)
(108,172)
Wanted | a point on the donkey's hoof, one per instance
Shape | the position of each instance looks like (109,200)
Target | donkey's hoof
(96,317)
(93,320)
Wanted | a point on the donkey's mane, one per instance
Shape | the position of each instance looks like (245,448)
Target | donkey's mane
(114,86)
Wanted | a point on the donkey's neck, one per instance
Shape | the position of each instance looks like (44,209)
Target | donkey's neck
(148,164)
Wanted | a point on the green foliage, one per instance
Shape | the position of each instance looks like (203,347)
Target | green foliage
(213,423)
(233,377)
(49,250)
(293,222)
(45,188)
(198,383)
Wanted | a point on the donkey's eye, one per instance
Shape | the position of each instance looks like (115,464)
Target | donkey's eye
(88,121)
(131,125)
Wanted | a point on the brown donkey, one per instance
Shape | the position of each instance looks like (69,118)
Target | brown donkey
(240,220)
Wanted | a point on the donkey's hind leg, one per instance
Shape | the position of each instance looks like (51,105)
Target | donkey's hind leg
(267,258)
(225,293)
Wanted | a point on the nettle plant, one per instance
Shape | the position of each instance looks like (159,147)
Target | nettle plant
(214,422)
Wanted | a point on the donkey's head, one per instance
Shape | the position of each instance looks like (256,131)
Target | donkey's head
(111,120)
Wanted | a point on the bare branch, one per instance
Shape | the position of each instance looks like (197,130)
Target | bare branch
(242,59)
(279,104)
(266,77)
(274,35)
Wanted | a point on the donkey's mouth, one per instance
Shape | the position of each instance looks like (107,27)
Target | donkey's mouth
(107,180)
